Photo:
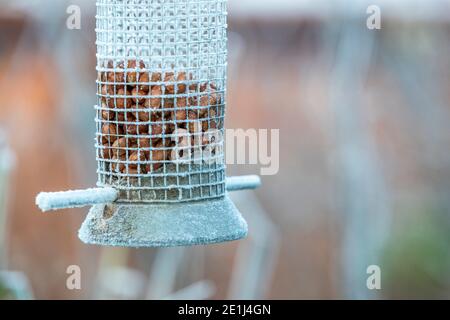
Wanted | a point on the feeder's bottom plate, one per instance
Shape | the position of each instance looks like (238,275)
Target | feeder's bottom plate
(164,225)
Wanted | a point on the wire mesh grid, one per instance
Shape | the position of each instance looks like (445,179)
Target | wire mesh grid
(161,92)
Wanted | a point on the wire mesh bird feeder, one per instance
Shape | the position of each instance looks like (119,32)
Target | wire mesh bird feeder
(161,97)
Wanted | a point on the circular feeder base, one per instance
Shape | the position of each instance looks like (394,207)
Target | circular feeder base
(164,225)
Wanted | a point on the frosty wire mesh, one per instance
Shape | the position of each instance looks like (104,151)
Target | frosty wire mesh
(161,98)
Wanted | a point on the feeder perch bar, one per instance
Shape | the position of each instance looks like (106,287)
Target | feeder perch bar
(161,100)
(47,201)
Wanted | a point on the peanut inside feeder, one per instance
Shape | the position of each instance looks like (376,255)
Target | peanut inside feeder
(161,97)
(159,134)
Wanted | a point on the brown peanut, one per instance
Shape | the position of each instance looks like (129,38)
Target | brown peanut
(136,129)
(182,102)
(155,101)
(158,130)
(121,102)
(169,103)
(118,147)
(156,77)
(211,123)
(136,156)
(203,112)
(193,124)
(107,114)
(116,76)
(106,153)
(169,88)
(109,132)
(134,76)
(181,86)
(158,155)
(193,87)
(143,116)
(144,79)
(101,76)
(107,90)
(144,143)
(211,97)
(180,115)
(138,96)
(206,125)
(125,116)
(117,164)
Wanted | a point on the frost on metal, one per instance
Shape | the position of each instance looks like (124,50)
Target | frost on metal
(161,98)
(164,225)
(74,199)
(243,182)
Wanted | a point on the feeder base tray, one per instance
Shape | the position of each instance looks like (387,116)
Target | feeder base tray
(164,225)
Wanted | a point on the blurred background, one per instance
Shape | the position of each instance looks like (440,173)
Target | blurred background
(364,156)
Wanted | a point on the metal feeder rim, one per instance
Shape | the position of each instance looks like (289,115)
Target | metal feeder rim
(164,225)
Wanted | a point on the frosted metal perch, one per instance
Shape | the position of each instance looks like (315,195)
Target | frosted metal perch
(243,182)
(47,201)
(81,198)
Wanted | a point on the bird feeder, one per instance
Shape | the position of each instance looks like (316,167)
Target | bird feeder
(161,98)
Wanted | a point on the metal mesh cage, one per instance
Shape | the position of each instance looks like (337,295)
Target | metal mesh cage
(161,98)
